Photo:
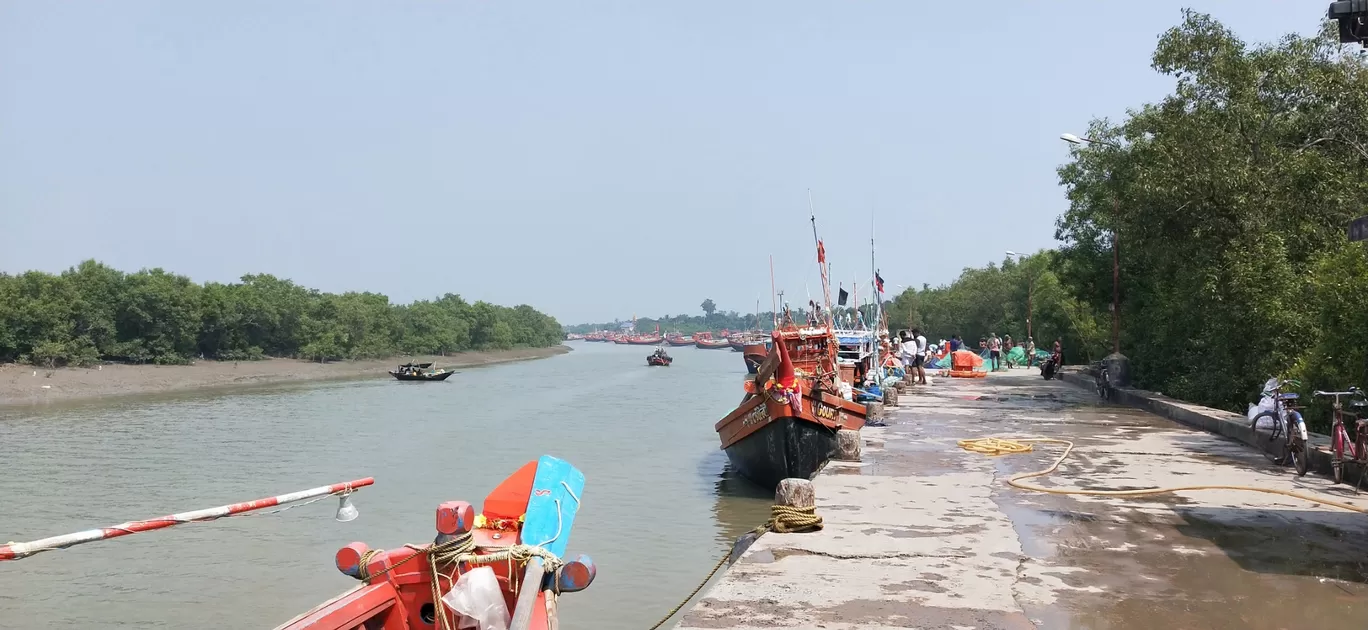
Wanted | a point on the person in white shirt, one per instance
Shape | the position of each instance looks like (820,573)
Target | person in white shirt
(918,350)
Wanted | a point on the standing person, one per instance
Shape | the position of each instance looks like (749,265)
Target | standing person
(919,360)
(994,350)
(1030,351)
(1059,353)
(955,343)
(1007,349)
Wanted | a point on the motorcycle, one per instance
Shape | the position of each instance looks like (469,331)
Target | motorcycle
(1050,366)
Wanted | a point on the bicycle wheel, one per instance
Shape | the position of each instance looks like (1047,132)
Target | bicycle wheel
(1301,458)
(1269,436)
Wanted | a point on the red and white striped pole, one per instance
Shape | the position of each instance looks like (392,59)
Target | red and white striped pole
(17,551)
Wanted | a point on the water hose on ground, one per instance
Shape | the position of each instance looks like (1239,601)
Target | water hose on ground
(1005,446)
(784,519)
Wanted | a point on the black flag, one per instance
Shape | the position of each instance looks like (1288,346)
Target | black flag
(841,298)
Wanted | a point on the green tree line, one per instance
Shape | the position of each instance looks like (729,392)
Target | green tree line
(1000,299)
(93,312)
(714,320)
(1228,201)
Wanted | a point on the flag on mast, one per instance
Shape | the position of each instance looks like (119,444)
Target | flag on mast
(878,282)
(841,297)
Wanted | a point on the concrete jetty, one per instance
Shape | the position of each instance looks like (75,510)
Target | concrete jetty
(923,534)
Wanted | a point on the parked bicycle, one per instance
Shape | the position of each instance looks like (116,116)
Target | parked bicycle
(1279,430)
(1339,436)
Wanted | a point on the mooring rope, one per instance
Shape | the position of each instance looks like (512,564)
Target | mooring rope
(1003,446)
(784,519)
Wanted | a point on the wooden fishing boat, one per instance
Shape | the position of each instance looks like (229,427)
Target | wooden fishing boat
(754,354)
(786,424)
(519,536)
(645,340)
(679,340)
(420,372)
(659,360)
(712,344)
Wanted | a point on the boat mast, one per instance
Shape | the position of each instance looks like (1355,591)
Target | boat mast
(878,303)
(821,265)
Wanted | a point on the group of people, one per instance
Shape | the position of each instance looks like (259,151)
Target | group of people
(912,350)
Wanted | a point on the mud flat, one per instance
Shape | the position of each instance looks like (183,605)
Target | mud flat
(922,534)
(27,385)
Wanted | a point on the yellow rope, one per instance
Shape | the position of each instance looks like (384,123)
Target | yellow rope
(785,519)
(998,446)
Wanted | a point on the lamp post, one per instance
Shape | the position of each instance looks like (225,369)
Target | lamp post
(1030,295)
(1116,258)
(1119,367)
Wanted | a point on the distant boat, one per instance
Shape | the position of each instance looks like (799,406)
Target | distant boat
(419,372)
(659,358)
(645,340)
(711,344)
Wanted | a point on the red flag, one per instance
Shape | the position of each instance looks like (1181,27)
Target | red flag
(878,282)
(821,253)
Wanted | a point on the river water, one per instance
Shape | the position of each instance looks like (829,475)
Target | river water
(659,508)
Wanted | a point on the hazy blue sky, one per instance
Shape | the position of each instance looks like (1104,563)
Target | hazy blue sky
(594,159)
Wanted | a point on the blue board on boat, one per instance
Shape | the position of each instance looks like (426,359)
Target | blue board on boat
(556,491)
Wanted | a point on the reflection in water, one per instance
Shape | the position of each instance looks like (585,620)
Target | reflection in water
(659,509)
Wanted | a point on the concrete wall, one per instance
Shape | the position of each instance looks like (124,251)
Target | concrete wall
(1220,422)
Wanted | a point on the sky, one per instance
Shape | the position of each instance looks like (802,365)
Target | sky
(596,160)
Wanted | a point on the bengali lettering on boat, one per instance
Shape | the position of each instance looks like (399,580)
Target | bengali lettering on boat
(756,416)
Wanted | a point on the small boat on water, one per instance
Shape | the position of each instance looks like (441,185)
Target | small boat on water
(420,372)
(645,340)
(477,564)
(659,358)
(679,340)
(711,344)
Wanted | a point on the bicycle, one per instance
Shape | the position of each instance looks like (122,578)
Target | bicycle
(1283,437)
(1339,436)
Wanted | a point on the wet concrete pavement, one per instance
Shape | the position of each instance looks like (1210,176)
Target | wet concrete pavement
(923,534)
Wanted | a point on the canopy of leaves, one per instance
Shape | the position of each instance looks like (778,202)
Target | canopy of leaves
(1230,199)
(93,312)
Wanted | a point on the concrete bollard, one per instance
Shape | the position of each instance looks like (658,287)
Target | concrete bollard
(890,398)
(848,445)
(873,410)
(795,492)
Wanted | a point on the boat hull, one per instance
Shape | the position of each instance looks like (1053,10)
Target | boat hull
(657,362)
(754,354)
(767,441)
(680,342)
(422,377)
(708,344)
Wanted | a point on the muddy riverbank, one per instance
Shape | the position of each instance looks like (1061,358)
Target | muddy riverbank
(27,385)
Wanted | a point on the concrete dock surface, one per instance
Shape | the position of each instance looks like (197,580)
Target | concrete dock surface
(923,534)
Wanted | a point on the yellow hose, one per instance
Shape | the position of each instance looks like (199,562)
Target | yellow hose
(1001,446)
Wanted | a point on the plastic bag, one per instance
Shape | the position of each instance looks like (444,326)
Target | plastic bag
(477,599)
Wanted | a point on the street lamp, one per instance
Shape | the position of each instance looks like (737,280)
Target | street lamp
(1116,260)
(1030,294)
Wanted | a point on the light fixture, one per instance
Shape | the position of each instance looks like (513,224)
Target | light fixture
(346,510)
(1070,138)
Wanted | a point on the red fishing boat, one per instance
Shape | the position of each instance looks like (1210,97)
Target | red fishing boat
(754,354)
(711,344)
(645,340)
(513,543)
(479,566)
(679,340)
(786,424)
